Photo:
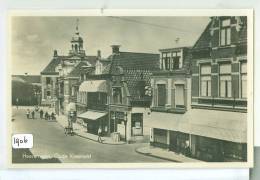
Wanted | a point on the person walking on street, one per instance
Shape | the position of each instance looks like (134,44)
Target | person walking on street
(28,113)
(41,113)
(99,134)
(46,116)
(33,114)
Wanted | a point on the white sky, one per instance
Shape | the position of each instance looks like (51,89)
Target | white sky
(35,38)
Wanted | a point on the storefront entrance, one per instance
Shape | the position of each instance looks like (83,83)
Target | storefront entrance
(137,124)
(179,142)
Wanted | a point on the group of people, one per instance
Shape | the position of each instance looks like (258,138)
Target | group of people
(46,115)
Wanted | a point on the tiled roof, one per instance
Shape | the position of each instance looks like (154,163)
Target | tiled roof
(133,78)
(133,60)
(78,69)
(136,67)
(27,78)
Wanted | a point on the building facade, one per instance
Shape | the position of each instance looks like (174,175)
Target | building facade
(171,87)
(214,125)
(61,75)
(119,95)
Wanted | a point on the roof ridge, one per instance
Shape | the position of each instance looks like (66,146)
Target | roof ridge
(140,53)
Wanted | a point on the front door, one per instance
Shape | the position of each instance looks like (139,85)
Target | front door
(137,124)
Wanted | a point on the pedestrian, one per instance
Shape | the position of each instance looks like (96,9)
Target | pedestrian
(99,134)
(53,116)
(28,113)
(33,114)
(41,113)
(46,116)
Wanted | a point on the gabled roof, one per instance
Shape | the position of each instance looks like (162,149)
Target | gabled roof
(50,68)
(91,59)
(78,69)
(204,39)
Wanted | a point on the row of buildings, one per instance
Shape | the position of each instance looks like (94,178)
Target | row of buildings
(190,100)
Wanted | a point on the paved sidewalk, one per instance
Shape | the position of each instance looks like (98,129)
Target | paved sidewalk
(80,131)
(164,154)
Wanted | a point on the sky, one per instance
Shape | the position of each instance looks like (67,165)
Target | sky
(34,38)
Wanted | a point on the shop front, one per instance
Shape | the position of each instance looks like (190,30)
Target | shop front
(118,123)
(92,120)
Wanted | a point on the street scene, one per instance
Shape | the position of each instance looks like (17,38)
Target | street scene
(51,143)
(130,94)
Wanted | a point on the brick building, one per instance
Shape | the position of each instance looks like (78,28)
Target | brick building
(171,87)
(213,127)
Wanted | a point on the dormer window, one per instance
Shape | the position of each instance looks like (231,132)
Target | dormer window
(172,60)
(225,32)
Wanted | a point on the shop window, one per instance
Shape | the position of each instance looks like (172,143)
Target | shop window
(160,136)
(117,95)
(205,80)
(225,80)
(243,75)
(225,32)
(161,94)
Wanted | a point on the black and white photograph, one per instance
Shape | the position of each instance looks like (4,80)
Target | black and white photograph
(136,90)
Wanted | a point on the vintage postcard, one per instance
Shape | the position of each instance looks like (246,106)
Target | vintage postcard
(131,88)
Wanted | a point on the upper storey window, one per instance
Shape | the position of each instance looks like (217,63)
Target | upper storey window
(225,32)
(172,60)
(205,80)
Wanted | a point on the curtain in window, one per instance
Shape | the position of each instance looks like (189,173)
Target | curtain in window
(205,82)
(225,86)
(179,94)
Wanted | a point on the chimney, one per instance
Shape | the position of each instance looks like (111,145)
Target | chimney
(115,49)
(99,54)
(55,53)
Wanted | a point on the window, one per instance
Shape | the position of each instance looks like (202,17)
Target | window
(48,80)
(243,74)
(205,80)
(179,96)
(225,32)
(117,95)
(225,80)
(176,62)
(171,60)
(48,93)
(161,94)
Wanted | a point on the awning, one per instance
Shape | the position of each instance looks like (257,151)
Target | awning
(92,115)
(93,86)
